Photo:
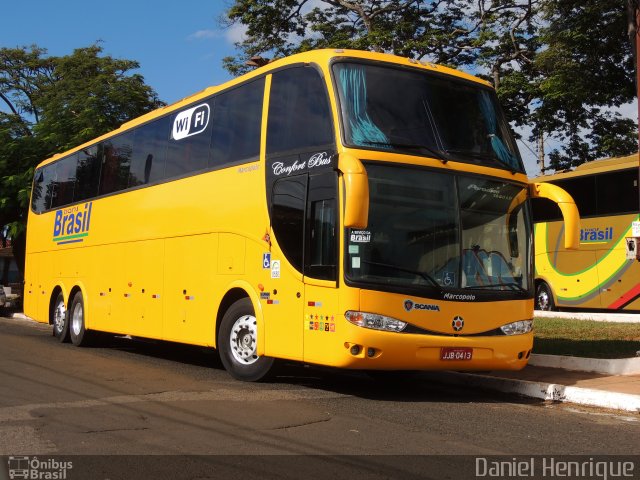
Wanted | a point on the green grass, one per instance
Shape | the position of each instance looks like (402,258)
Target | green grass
(585,338)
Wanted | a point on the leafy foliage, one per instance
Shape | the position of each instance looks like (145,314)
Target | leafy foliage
(559,66)
(51,104)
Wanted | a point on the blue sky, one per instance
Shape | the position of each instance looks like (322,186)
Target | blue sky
(179,44)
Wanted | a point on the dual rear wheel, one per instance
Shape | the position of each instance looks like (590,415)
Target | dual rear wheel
(237,337)
(69,323)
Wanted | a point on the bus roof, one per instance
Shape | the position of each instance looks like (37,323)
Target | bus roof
(322,57)
(595,166)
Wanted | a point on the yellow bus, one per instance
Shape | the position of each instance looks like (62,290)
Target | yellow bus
(598,274)
(341,208)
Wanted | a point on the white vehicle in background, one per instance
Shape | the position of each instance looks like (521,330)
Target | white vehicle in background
(3,298)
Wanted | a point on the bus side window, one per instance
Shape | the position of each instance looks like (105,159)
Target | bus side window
(188,154)
(64,181)
(237,120)
(149,152)
(287,216)
(625,185)
(299,114)
(116,161)
(321,245)
(583,191)
(42,189)
(88,173)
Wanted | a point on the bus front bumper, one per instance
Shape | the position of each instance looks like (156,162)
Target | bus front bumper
(376,350)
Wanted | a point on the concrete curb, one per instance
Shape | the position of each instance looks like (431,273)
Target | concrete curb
(613,366)
(542,391)
(598,317)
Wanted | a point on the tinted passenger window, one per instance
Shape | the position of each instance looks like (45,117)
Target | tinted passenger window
(188,148)
(299,114)
(237,120)
(149,152)
(583,191)
(116,161)
(88,173)
(545,210)
(287,216)
(42,189)
(64,180)
(617,192)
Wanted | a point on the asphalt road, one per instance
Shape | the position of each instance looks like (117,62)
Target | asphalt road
(130,398)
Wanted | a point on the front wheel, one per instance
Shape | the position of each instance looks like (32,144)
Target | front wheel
(544,298)
(237,343)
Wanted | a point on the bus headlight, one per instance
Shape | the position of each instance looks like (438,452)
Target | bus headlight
(517,328)
(375,321)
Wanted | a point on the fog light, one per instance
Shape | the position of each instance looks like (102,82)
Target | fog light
(355,350)
(371,352)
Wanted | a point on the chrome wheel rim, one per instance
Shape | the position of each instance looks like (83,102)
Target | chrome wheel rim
(243,340)
(543,300)
(76,319)
(59,316)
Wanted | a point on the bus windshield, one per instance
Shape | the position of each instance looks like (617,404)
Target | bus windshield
(431,229)
(414,111)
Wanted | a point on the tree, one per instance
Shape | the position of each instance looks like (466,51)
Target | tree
(50,104)
(559,66)
(586,70)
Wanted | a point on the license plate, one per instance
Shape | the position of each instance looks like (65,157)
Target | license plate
(458,353)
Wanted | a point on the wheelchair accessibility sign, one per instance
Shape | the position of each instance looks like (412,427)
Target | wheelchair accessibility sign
(266,260)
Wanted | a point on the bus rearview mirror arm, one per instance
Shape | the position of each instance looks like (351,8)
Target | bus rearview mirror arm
(568,207)
(356,191)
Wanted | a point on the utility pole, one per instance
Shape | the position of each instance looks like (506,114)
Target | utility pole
(540,149)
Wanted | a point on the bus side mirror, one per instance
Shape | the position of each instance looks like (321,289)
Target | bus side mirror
(568,208)
(356,191)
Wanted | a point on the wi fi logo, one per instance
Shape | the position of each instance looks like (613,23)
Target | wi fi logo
(191,122)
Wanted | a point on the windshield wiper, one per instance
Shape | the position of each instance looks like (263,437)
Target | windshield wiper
(439,154)
(514,286)
(424,275)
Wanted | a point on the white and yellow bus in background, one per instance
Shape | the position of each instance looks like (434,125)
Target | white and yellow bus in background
(598,275)
(342,208)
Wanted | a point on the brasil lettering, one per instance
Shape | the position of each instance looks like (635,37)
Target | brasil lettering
(596,235)
(72,224)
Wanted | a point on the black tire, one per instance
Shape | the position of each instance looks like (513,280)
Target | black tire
(80,336)
(544,298)
(60,319)
(237,351)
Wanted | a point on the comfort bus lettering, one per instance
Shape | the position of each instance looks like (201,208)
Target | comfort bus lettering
(72,224)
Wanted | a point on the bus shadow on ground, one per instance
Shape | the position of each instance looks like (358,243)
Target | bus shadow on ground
(402,386)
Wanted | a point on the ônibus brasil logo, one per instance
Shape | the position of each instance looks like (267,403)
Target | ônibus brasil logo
(72,224)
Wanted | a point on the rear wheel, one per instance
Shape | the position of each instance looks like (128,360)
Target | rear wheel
(80,336)
(544,298)
(60,319)
(237,343)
